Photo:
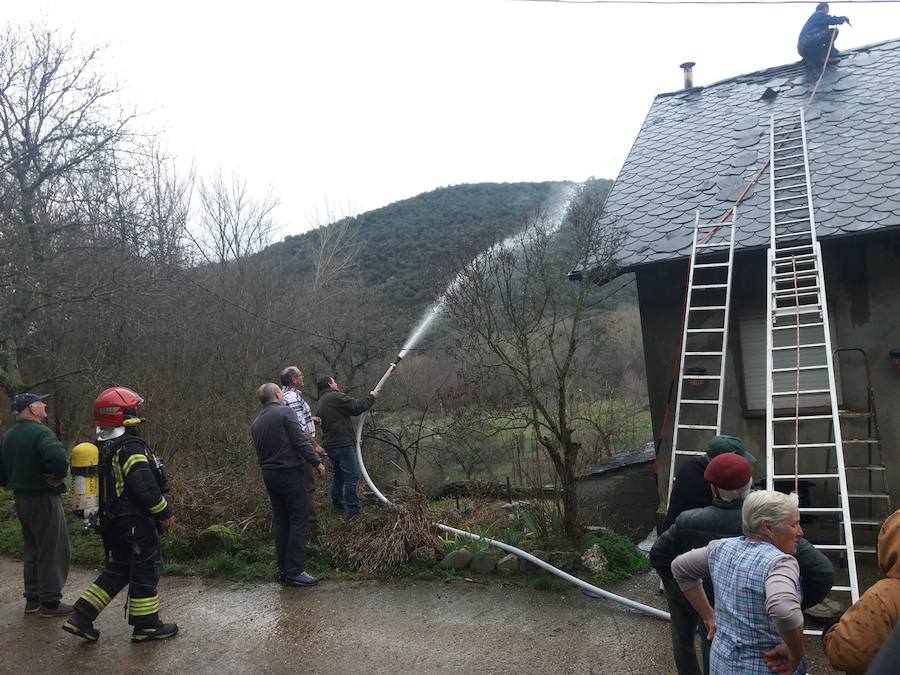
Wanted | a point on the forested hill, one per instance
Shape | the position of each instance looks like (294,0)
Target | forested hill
(404,248)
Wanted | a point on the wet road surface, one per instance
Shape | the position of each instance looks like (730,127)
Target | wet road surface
(346,627)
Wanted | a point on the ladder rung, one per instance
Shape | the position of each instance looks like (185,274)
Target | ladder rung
(811,324)
(715,245)
(700,401)
(793,260)
(787,446)
(797,186)
(703,353)
(701,427)
(858,441)
(821,509)
(718,264)
(791,221)
(802,392)
(799,275)
(707,286)
(795,418)
(846,589)
(864,549)
(705,330)
(864,467)
(807,346)
(793,175)
(701,377)
(854,413)
(785,249)
(791,209)
(814,631)
(693,453)
(707,308)
(789,166)
(787,199)
(831,547)
(866,522)
(782,158)
(805,476)
(869,495)
(794,292)
(794,370)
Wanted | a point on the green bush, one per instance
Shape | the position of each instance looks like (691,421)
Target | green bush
(624,558)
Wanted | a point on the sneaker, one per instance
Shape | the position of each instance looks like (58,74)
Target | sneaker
(302,579)
(82,627)
(32,606)
(161,631)
(61,609)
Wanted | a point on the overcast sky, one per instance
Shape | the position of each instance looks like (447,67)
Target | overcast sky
(348,105)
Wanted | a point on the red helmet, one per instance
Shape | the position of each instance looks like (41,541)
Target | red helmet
(114,405)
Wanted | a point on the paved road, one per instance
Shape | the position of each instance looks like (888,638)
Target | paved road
(346,627)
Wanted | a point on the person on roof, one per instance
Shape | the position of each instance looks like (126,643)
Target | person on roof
(815,36)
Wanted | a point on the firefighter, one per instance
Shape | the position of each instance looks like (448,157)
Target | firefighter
(133,511)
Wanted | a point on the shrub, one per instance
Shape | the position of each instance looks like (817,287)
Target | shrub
(624,558)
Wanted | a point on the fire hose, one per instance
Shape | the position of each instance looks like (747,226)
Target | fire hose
(585,586)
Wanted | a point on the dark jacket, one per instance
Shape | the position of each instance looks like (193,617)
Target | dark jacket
(135,490)
(697,527)
(279,439)
(818,23)
(335,410)
(29,452)
(689,491)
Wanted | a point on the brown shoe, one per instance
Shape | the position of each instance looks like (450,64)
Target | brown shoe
(61,609)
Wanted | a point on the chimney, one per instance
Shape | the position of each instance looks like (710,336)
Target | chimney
(688,68)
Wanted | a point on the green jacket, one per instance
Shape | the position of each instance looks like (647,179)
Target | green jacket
(29,452)
(335,409)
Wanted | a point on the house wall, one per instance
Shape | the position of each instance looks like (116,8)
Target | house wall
(624,500)
(862,276)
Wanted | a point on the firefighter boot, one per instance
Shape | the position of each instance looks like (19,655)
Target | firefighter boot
(157,631)
(78,624)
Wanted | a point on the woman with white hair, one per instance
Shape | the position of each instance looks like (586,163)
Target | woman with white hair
(757,625)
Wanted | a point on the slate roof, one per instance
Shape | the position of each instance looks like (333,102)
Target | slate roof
(698,148)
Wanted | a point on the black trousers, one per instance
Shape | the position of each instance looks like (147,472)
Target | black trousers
(134,561)
(290,513)
(683,625)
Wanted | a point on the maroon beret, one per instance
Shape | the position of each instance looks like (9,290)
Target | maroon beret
(728,471)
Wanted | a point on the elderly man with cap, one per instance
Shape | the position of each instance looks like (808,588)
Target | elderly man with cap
(690,490)
(730,477)
(33,464)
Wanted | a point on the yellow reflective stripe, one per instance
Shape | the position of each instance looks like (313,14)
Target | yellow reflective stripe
(120,479)
(137,602)
(102,595)
(159,506)
(143,606)
(131,461)
(91,600)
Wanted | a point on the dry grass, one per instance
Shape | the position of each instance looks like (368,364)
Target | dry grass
(382,537)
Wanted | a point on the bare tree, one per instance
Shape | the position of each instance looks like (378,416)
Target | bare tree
(523,320)
(336,248)
(58,123)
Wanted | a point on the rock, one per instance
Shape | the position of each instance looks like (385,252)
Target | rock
(564,560)
(483,562)
(424,555)
(593,560)
(215,539)
(508,565)
(457,560)
(517,505)
(826,610)
(530,566)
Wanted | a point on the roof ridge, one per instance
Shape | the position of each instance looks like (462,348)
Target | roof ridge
(785,68)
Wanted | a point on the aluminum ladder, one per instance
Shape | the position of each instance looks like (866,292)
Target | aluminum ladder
(704,341)
(868,492)
(802,417)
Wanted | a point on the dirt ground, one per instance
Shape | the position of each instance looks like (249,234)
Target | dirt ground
(351,627)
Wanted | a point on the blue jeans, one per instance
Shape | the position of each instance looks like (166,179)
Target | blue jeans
(344,476)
